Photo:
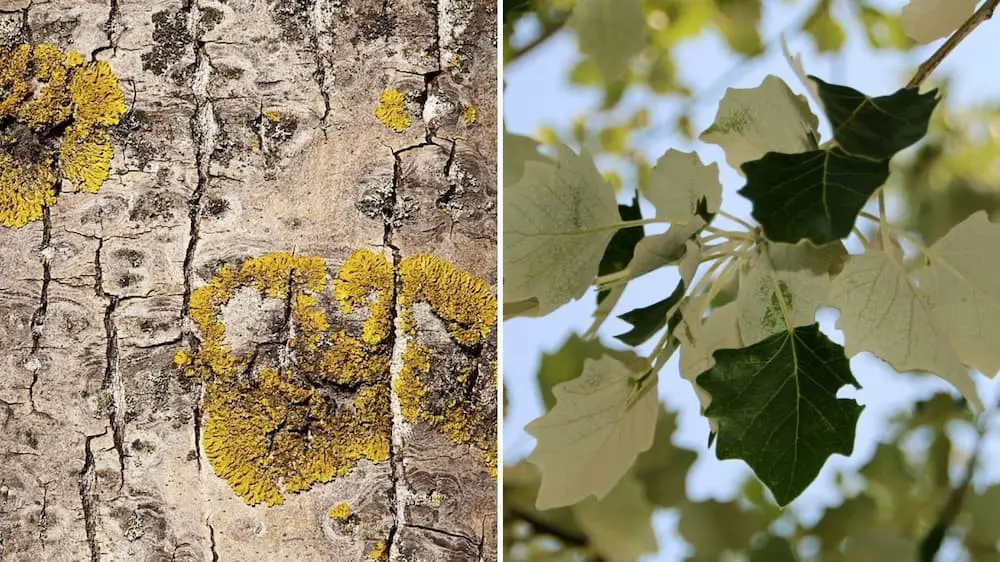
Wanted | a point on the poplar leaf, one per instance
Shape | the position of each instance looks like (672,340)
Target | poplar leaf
(769,118)
(814,195)
(678,184)
(940,318)
(777,408)
(784,287)
(701,338)
(620,526)
(879,127)
(928,20)
(557,223)
(610,32)
(517,150)
(593,435)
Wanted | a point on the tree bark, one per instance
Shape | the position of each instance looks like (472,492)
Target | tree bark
(251,128)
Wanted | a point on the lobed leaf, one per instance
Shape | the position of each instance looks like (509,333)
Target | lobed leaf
(814,195)
(777,408)
(592,436)
(559,219)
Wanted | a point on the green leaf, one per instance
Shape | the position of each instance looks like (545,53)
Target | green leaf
(558,221)
(884,30)
(620,250)
(876,128)
(984,520)
(566,363)
(878,546)
(813,195)
(928,20)
(712,528)
(619,526)
(680,184)
(611,32)
(648,320)
(663,469)
(592,436)
(777,408)
(774,549)
(520,488)
(852,516)
(940,318)
(751,122)
(824,29)
(673,247)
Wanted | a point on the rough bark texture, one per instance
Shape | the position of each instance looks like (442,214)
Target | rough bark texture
(250,129)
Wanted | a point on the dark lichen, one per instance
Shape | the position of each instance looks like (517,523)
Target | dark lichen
(172,39)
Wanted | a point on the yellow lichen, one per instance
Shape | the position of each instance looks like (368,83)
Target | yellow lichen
(340,512)
(469,115)
(273,432)
(469,308)
(55,110)
(467,303)
(391,110)
(378,552)
(272,116)
(365,280)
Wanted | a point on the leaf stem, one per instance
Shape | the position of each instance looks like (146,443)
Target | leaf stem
(738,220)
(882,221)
(927,67)
(864,241)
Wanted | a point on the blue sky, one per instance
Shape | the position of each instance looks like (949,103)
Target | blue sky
(537,93)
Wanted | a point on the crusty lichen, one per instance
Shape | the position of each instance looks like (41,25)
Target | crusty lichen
(339,512)
(466,302)
(379,552)
(455,401)
(273,430)
(365,280)
(469,115)
(54,113)
(391,110)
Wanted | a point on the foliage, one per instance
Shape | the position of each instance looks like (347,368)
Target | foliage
(743,313)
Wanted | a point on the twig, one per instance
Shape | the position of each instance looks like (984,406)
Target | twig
(548,30)
(931,543)
(982,14)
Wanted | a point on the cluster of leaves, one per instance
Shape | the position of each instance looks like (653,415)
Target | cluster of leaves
(888,506)
(634,46)
(743,313)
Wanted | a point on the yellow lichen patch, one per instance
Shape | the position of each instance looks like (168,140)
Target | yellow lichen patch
(408,386)
(347,361)
(464,301)
(340,512)
(391,110)
(56,109)
(378,552)
(365,280)
(272,116)
(271,431)
(24,191)
(469,115)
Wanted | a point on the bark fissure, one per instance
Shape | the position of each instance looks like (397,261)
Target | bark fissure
(113,385)
(88,481)
(396,474)
(38,317)
(443,532)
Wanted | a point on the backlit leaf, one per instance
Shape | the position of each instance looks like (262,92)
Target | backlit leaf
(592,436)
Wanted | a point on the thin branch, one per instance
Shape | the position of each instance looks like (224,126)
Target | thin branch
(736,219)
(548,30)
(931,543)
(924,70)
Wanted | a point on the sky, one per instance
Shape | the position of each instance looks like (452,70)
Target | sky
(537,93)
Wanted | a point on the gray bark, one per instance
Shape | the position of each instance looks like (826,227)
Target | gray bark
(100,451)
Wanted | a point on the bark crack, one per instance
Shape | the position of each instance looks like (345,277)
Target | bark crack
(211,544)
(443,532)
(110,26)
(397,473)
(203,132)
(38,317)
(88,481)
(113,384)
